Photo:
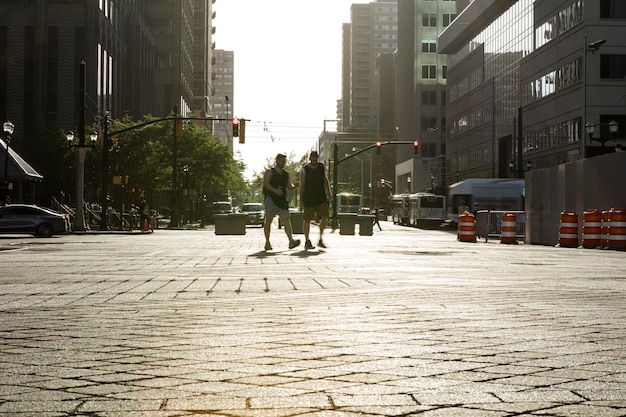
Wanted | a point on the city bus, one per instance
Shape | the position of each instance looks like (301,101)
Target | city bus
(427,210)
(349,202)
(400,208)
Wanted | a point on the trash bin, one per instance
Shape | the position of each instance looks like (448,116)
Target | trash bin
(366,224)
(230,224)
(347,221)
(296,221)
(222,225)
(238,223)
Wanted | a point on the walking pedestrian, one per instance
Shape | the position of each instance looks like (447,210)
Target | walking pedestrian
(276,182)
(314,197)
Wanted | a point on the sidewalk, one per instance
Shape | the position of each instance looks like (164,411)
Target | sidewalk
(404,322)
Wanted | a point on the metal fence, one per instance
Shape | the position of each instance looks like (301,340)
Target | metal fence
(489,224)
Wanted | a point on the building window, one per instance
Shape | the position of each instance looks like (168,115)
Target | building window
(429,46)
(429,72)
(448,18)
(428,150)
(429,98)
(429,123)
(429,20)
(612,9)
(613,66)
(444,72)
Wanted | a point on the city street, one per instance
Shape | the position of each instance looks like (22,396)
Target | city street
(404,322)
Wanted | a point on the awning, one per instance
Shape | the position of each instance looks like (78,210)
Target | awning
(18,168)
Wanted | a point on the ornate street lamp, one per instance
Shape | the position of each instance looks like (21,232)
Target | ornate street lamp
(590,128)
(8,131)
(80,225)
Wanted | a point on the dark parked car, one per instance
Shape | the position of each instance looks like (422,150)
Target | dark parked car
(31,219)
(255,212)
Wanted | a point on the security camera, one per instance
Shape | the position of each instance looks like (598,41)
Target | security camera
(594,46)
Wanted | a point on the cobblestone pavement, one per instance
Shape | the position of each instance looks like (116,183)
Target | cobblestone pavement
(404,322)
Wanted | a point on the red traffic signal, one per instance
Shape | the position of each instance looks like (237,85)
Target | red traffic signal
(378,146)
(416,147)
(235,127)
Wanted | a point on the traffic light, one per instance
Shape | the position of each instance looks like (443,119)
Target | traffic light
(416,147)
(378,146)
(235,127)
(242,130)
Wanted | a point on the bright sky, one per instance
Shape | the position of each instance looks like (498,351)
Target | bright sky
(287,71)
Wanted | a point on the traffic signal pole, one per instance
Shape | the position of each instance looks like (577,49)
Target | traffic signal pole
(177,130)
(337,161)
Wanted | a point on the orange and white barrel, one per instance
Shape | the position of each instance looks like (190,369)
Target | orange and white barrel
(508,228)
(604,230)
(467,228)
(568,229)
(592,229)
(617,229)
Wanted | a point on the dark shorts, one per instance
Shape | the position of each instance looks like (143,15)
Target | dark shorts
(311,213)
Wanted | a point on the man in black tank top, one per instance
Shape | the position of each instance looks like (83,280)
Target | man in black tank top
(276,182)
(314,197)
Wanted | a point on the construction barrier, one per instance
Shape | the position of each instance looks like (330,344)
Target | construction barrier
(617,229)
(604,229)
(466,229)
(568,229)
(509,228)
(489,224)
(592,229)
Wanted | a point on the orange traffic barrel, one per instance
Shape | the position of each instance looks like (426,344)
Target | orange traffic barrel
(604,229)
(508,228)
(568,229)
(592,229)
(467,228)
(617,229)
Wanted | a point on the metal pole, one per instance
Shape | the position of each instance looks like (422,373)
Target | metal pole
(335,163)
(79,218)
(583,151)
(174,221)
(6,167)
(104,221)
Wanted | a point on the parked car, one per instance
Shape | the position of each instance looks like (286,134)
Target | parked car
(32,219)
(220,207)
(255,212)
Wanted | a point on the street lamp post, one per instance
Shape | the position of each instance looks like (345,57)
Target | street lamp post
(592,47)
(8,131)
(81,150)
(590,129)
(104,221)
(80,225)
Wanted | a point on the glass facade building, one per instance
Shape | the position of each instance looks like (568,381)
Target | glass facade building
(523,82)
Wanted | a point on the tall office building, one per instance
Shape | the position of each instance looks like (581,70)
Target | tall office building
(202,58)
(223,95)
(140,58)
(373,30)
(420,100)
(526,77)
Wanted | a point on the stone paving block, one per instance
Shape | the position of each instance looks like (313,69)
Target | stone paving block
(183,322)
